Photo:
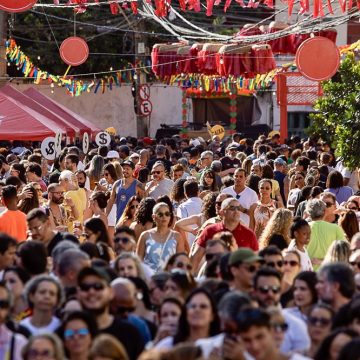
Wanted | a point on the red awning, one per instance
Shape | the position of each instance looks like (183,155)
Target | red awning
(71,117)
(19,122)
(8,90)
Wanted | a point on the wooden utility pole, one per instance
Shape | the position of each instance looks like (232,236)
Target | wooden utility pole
(141,121)
(3,62)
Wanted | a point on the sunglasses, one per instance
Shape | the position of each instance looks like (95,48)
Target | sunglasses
(156,172)
(182,265)
(354,263)
(251,268)
(275,264)
(98,286)
(44,354)
(4,304)
(124,240)
(132,207)
(197,306)
(160,214)
(329,204)
(353,208)
(313,320)
(234,208)
(291,263)
(68,334)
(265,289)
(280,327)
(209,257)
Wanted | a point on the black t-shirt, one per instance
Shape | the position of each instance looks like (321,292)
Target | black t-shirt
(128,335)
(227,163)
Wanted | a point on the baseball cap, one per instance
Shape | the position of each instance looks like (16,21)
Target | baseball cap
(280,161)
(112,154)
(95,271)
(233,146)
(243,255)
(128,163)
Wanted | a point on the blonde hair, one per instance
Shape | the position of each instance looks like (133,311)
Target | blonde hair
(279,224)
(338,251)
(53,338)
(107,346)
(118,169)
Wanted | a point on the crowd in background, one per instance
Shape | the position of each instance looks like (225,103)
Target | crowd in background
(179,249)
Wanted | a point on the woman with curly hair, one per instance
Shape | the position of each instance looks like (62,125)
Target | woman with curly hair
(277,230)
(128,215)
(143,219)
(177,194)
(95,170)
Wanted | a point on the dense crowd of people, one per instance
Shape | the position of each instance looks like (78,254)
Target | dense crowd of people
(179,249)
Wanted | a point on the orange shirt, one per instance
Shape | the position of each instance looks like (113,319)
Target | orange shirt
(14,224)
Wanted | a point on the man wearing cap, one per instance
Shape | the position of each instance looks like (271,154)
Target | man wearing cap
(160,152)
(229,161)
(230,214)
(124,189)
(112,155)
(159,185)
(243,264)
(246,197)
(95,295)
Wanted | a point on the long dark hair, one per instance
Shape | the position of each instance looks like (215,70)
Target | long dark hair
(183,332)
(310,278)
(97,226)
(324,349)
(29,203)
(203,184)
(21,169)
(144,211)
(110,168)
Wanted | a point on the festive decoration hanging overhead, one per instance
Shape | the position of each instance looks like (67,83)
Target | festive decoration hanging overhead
(74,51)
(74,87)
(15,6)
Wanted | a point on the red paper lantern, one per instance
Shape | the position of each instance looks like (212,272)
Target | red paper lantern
(74,51)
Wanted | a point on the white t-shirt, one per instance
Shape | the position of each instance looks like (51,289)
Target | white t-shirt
(351,175)
(54,324)
(161,188)
(246,198)
(306,264)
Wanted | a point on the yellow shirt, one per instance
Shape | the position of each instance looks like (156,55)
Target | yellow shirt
(79,198)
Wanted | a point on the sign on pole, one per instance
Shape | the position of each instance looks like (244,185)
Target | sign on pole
(85,143)
(146,108)
(48,150)
(103,138)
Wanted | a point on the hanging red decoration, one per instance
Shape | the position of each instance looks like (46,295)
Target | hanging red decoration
(74,51)
(318,58)
(15,6)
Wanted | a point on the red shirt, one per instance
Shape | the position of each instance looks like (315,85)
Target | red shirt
(244,236)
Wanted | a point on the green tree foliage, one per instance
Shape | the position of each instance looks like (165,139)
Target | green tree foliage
(337,119)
